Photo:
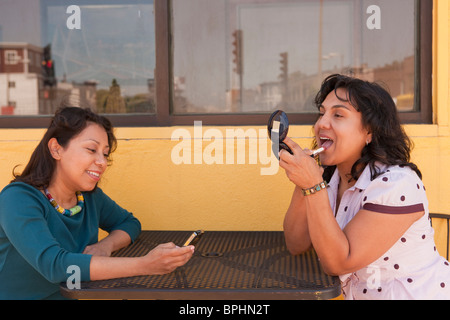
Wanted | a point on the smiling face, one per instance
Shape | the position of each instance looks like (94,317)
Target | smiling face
(81,163)
(339,129)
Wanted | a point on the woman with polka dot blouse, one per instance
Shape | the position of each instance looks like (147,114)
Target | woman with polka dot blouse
(364,209)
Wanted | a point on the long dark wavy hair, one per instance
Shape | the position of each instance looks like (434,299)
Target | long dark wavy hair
(67,123)
(390,145)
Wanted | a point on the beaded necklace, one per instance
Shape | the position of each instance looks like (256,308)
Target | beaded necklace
(67,212)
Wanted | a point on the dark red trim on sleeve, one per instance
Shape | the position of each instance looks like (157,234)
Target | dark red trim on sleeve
(394,210)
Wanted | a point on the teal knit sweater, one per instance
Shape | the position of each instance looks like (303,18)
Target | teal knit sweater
(38,244)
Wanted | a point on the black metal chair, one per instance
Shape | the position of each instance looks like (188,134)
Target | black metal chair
(447,218)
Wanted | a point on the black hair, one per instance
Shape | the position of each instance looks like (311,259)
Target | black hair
(390,145)
(67,123)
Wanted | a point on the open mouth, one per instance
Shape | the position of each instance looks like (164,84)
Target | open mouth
(94,175)
(326,142)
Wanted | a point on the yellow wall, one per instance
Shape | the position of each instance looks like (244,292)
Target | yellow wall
(163,195)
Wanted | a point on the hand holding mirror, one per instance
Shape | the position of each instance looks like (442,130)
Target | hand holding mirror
(279,125)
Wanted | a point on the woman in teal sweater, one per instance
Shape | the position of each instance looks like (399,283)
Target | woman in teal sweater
(41,242)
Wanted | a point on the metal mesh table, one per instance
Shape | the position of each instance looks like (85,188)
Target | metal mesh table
(226,265)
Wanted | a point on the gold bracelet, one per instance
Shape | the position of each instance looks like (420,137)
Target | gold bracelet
(316,188)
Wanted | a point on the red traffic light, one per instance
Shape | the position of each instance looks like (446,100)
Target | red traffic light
(47,63)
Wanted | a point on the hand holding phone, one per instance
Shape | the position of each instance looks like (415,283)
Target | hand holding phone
(194,238)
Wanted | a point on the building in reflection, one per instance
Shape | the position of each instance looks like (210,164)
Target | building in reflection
(397,77)
(298,97)
(20,78)
(22,87)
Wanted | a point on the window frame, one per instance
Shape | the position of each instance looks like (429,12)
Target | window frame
(12,57)
(164,85)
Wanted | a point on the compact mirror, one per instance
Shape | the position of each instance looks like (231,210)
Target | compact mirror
(278,125)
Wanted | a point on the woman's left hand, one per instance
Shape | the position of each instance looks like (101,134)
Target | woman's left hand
(300,168)
(116,240)
(98,249)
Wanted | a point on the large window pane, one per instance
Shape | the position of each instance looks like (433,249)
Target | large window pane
(99,52)
(247,56)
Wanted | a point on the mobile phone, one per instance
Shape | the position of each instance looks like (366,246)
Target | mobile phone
(194,238)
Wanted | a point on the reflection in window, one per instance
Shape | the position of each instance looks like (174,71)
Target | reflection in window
(247,56)
(98,52)
(11,57)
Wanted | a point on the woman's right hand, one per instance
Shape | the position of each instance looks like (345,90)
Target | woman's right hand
(300,168)
(166,257)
